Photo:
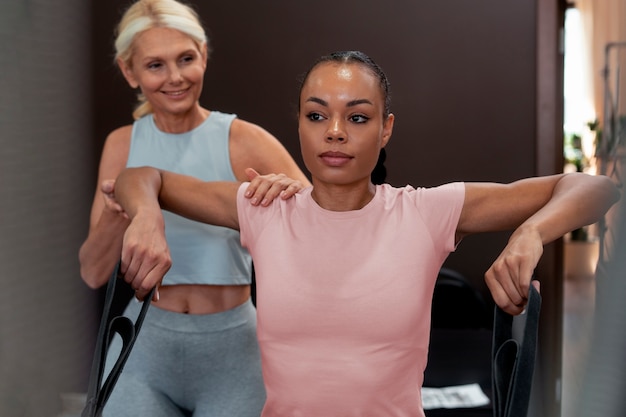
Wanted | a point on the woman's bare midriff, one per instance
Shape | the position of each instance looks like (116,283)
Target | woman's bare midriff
(201,299)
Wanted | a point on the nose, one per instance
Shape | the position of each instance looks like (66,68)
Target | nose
(336,131)
(175,74)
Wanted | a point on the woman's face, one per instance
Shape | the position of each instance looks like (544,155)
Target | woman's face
(341,124)
(168,67)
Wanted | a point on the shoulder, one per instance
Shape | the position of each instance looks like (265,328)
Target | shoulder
(453,190)
(115,152)
(249,134)
(119,139)
(300,201)
(253,218)
(448,197)
(120,134)
(251,139)
(251,146)
(439,207)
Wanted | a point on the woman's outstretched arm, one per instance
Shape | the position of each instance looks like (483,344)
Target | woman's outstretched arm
(539,210)
(142,192)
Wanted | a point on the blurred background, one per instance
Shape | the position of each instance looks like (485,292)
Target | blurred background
(478,94)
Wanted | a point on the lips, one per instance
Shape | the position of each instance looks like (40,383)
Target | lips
(334,158)
(177,93)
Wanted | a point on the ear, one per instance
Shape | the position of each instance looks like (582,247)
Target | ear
(387,129)
(205,54)
(127,72)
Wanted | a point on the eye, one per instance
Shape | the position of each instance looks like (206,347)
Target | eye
(154,66)
(314,117)
(187,59)
(359,118)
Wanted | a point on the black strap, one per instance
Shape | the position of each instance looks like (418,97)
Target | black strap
(98,393)
(513,360)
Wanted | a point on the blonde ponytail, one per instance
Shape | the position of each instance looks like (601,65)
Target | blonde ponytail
(143,107)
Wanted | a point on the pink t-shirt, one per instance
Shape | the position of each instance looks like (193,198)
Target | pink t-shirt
(344,298)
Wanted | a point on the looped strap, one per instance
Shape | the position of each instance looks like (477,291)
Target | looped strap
(98,392)
(513,360)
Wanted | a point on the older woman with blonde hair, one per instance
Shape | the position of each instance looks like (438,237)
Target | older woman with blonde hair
(197,353)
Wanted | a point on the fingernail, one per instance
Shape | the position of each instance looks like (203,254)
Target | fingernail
(264,202)
(255,201)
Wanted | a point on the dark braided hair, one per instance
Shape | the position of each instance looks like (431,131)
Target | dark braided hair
(380,172)
(357,57)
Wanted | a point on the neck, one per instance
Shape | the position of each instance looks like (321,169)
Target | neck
(348,197)
(180,122)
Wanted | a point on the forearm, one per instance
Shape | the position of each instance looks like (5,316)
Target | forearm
(573,201)
(102,249)
(577,200)
(137,190)
(145,255)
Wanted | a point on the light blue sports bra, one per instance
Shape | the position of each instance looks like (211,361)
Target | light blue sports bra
(201,254)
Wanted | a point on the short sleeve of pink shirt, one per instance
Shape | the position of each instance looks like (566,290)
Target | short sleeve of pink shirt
(343,298)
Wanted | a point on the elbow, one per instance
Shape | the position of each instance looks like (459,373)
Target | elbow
(599,189)
(88,272)
(86,276)
(90,283)
(604,195)
(612,191)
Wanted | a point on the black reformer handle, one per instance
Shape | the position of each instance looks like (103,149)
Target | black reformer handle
(98,393)
(513,360)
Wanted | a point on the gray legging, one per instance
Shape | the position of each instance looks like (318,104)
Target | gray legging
(190,365)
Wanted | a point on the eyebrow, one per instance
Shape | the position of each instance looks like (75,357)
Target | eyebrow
(351,103)
(189,51)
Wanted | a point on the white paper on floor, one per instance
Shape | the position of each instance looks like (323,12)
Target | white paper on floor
(459,396)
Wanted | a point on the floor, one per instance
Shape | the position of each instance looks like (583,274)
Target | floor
(578,305)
